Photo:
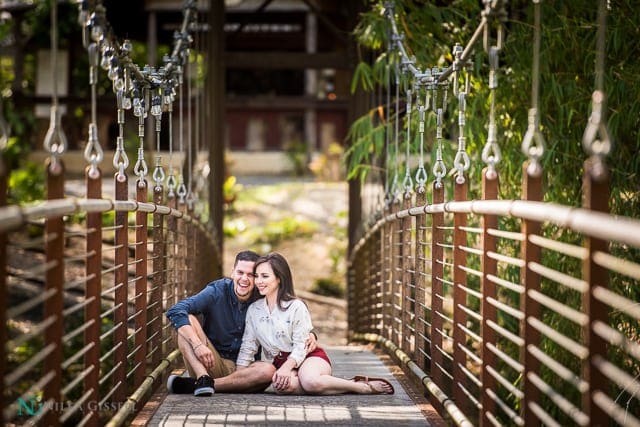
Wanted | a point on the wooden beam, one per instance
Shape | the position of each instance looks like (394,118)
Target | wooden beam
(286,60)
(340,34)
(214,127)
(282,103)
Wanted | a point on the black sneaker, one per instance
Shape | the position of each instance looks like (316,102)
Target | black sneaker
(204,386)
(180,385)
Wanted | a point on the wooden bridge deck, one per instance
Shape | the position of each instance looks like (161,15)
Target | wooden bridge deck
(271,409)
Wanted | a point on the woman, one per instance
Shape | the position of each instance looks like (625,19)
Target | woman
(280,323)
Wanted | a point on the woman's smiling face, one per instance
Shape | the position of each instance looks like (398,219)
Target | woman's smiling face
(266,281)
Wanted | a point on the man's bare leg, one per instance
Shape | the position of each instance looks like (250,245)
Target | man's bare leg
(256,377)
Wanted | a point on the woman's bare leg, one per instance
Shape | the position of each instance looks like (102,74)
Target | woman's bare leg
(315,378)
(294,385)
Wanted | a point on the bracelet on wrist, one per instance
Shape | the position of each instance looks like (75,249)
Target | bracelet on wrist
(196,346)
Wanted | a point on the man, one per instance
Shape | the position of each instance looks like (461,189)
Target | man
(210,348)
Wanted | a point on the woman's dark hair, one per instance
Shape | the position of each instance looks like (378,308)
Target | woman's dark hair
(281,269)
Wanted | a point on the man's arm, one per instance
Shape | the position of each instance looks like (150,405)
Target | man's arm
(189,334)
(198,345)
(178,315)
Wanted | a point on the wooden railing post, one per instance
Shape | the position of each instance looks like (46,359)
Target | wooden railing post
(171,240)
(3,280)
(351,298)
(420,294)
(407,266)
(377,291)
(459,294)
(530,280)
(356,307)
(367,287)
(53,306)
(387,295)
(437,288)
(190,257)
(181,273)
(396,277)
(120,294)
(93,290)
(488,289)
(159,278)
(140,340)
(596,197)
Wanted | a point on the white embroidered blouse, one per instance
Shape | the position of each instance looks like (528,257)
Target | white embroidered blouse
(280,330)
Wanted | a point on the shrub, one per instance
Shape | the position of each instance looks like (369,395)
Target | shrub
(329,287)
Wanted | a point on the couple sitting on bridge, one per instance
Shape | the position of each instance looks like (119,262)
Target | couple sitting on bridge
(221,329)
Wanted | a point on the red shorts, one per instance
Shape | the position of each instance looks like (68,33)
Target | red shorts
(282,357)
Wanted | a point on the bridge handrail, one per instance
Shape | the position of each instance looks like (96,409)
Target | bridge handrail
(14,216)
(615,228)
(466,295)
(161,253)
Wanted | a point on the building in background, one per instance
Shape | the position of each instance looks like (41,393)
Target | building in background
(287,76)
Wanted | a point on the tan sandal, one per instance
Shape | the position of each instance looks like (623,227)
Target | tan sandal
(366,380)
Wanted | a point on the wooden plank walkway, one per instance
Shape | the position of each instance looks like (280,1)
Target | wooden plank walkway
(274,410)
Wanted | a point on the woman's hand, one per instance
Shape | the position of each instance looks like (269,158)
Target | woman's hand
(311,343)
(282,378)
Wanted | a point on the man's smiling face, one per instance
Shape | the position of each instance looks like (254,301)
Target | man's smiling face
(242,276)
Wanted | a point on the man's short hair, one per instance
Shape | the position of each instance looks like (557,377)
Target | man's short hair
(246,256)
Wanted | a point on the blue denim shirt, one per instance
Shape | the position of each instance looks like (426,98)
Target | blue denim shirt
(222,314)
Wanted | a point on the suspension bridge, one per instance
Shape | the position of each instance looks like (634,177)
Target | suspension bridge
(460,293)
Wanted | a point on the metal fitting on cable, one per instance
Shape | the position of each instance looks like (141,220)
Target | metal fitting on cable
(55,141)
(140,168)
(461,162)
(596,140)
(120,158)
(493,11)
(493,67)
(421,173)
(181,192)
(93,151)
(407,183)
(491,151)
(533,143)
(93,63)
(158,172)
(171,182)
(191,199)
(439,168)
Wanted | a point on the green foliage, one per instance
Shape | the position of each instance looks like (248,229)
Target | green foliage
(15,152)
(367,141)
(26,184)
(567,77)
(566,84)
(296,152)
(108,218)
(230,190)
(38,24)
(329,287)
(275,232)
(233,227)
